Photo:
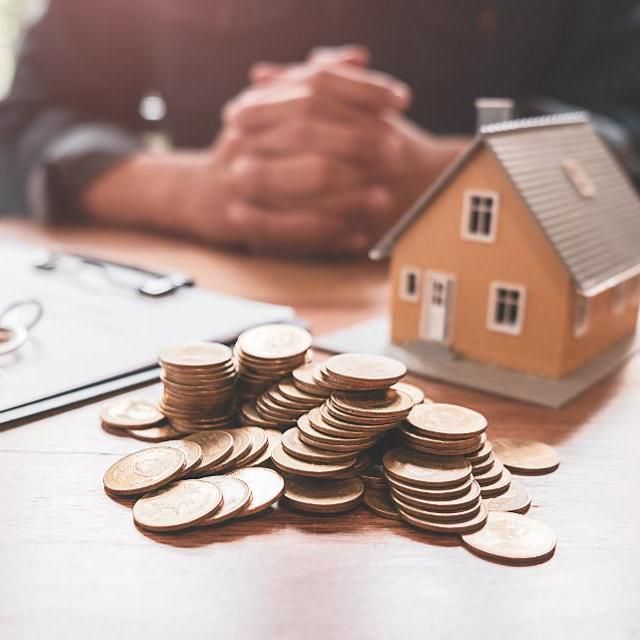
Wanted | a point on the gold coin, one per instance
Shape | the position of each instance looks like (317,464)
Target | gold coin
(461,528)
(192,453)
(283,461)
(196,354)
(357,367)
(485,465)
(459,503)
(216,446)
(461,515)
(266,487)
(323,496)
(154,434)
(434,446)
(447,421)
(512,538)
(180,505)
(526,456)
(259,444)
(490,476)
(516,499)
(307,379)
(144,470)
(241,446)
(317,421)
(380,502)
(482,453)
(290,391)
(292,444)
(498,487)
(423,469)
(274,437)
(131,413)
(274,341)
(415,393)
(249,413)
(431,493)
(317,438)
(235,496)
(387,403)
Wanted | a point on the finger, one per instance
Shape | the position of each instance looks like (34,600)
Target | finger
(355,54)
(296,177)
(263,72)
(370,143)
(294,231)
(261,107)
(363,88)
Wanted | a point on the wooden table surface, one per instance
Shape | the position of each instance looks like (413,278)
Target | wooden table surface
(72,564)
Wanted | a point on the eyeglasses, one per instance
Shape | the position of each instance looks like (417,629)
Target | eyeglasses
(16,322)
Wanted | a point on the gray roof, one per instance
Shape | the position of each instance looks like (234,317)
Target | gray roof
(597,238)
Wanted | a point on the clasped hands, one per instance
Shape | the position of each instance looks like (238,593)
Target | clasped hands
(312,156)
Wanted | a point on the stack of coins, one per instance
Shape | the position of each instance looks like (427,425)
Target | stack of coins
(448,430)
(329,441)
(434,493)
(266,354)
(361,372)
(199,381)
(280,406)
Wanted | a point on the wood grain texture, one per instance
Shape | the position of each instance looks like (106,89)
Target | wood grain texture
(73,565)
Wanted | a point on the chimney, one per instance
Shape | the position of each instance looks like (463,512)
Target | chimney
(492,111)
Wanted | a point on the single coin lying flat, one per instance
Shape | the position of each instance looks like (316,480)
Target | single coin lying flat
(144,470)
(512,538)
(526,456)
(178,506)
(131,413)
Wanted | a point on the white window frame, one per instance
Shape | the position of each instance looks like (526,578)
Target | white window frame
(618,299)
(465,233)
(405,294)
(581,326)
(516,329)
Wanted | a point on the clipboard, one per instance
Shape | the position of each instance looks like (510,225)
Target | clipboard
(100,332)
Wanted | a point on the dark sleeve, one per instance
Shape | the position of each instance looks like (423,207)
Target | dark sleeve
(72,111)
(598,69)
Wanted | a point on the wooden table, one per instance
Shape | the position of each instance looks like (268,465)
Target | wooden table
(73,565)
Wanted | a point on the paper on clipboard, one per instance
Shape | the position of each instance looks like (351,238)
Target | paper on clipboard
(92,330)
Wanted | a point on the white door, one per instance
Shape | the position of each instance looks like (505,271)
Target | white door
(437,306)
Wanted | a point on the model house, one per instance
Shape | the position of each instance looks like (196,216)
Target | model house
(525,254)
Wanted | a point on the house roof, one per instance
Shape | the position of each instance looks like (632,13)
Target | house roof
(598,237)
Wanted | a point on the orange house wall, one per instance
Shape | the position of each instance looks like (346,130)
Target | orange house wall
(520,255)
(605,327)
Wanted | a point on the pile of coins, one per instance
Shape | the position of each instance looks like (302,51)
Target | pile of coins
(266,354)
(327,446)
(198,386)
(340,433)
(452,431)
(433,492)
(176,486)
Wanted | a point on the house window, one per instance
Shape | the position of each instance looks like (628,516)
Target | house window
(618,299)
(480,215)
(410,284)
(581,316)
(506,307)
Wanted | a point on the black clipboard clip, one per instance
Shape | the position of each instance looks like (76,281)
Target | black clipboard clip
(150,283)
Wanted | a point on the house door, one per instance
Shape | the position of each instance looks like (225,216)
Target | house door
(438,305)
